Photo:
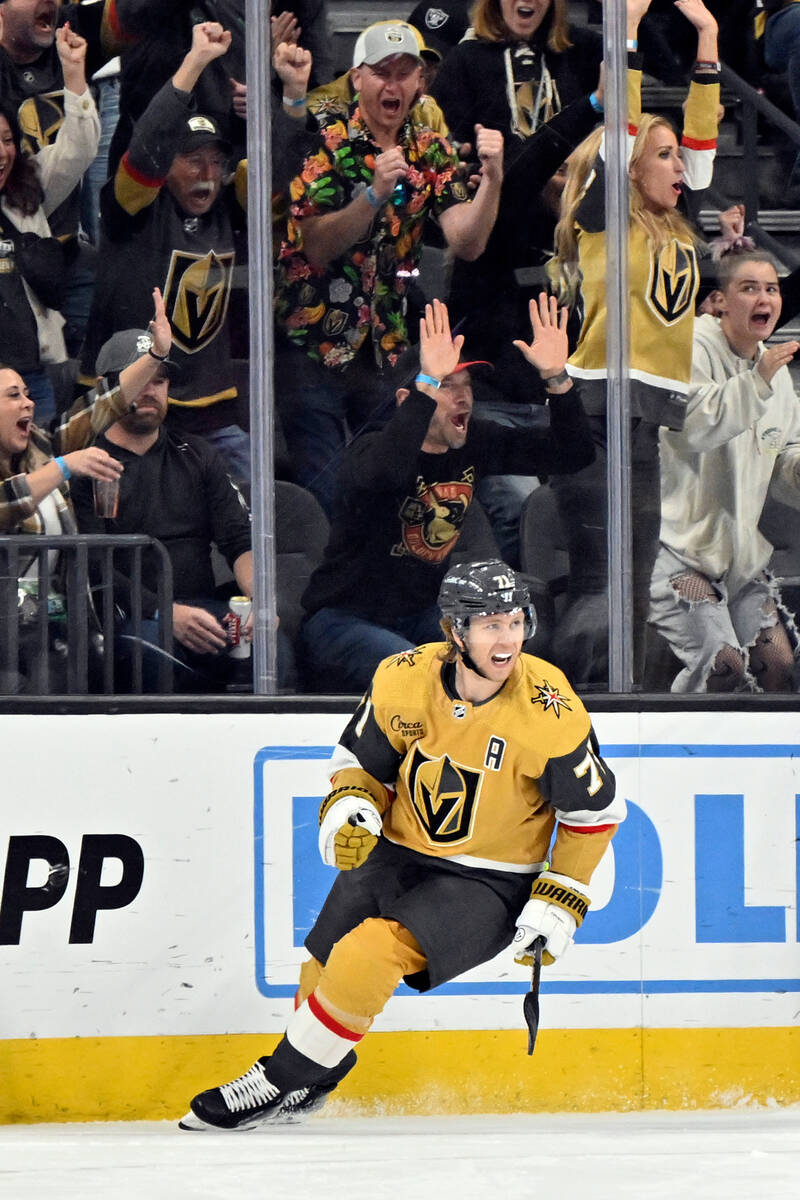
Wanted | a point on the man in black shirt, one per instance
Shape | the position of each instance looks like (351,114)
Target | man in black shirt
(404,491)
(176,489)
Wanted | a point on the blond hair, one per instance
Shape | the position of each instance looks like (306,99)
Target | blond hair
(661,227)
(487,21)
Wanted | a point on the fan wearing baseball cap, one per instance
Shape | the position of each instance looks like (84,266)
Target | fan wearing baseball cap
(169,216)
(405,492)
(352,245)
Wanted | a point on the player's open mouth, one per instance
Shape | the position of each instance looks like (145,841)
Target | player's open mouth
(391,106)
(501,660)
(526,13)
(461,420)
(24,424)
(677,187)
(761,319)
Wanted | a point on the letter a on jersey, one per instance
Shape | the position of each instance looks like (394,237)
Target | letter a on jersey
(196,297)
(674,281)
(445,796)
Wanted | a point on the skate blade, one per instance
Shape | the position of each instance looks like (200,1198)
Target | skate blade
(193,1124)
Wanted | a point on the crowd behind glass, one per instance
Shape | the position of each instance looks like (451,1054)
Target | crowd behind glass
(439,246)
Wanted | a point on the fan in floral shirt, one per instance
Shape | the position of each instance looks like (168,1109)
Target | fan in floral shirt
(330,312)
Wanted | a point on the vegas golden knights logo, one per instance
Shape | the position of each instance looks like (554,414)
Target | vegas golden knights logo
(673,281)
(196,296)
(40,118)
(444,795)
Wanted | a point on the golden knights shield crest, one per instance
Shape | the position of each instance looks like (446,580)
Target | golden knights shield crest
(444,795)
(196,296)
(674,280)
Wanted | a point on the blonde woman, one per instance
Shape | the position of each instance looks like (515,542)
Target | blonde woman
(663,283)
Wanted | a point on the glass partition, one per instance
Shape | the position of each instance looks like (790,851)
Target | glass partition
(298,195)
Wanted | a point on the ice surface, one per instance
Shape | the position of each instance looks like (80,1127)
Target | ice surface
(697,1155)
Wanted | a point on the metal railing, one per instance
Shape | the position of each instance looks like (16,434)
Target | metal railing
(753,106)
(77,628)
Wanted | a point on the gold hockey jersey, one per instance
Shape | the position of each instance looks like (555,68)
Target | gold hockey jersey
(485,784)
(663,281)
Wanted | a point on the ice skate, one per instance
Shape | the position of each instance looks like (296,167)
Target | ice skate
(303,1103)
(253,1100)
(244,1103)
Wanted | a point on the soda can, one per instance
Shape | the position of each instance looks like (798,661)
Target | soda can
(240,608)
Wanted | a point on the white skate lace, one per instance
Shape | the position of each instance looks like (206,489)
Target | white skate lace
(249,1090)
(294,1098)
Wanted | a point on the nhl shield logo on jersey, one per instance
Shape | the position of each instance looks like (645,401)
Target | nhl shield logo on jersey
(674,281)
(444,795)
(550,699)
(196,296)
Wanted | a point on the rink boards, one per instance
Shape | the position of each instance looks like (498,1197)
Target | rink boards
(160,872)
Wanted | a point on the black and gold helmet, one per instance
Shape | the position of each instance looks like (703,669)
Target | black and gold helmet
(479,589)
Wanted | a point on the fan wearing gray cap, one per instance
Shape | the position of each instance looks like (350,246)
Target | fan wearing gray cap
(169,217)
(176,489)
(352,246)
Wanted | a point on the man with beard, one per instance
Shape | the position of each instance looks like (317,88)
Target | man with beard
(168,219)
(403,495)
(175,489)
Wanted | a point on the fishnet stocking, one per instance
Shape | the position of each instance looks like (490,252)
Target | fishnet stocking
(771,659)
(694,587)
(727,673)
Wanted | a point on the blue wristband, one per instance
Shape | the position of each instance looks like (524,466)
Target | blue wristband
(596,104)
(372,199)
(300,102)
(434,383)
(632,44)
(63,468)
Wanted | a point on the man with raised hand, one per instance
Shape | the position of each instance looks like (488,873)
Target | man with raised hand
(352,247)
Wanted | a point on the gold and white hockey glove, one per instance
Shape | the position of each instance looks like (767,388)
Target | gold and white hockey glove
(349,825)
(555,910)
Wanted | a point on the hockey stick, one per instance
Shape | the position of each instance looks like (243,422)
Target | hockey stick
(530,1005)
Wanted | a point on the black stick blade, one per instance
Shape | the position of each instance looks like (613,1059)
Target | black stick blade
(530,1005)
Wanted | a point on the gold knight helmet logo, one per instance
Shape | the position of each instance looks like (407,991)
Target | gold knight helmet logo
(196,296)
(674,281)
(444,795)
(40,118)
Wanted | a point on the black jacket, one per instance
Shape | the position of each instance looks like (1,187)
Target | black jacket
(180,493)
(399,511)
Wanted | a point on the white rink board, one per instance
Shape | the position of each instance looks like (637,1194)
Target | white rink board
(694,925)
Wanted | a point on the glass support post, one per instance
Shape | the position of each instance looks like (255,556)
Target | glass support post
(620,579)
(259,224)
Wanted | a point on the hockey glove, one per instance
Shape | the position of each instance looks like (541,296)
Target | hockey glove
(554,911)
(348,830)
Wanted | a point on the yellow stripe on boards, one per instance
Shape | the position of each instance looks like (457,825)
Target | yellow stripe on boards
(464,1071)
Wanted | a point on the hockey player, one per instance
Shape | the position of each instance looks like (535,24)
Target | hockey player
(448,783)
